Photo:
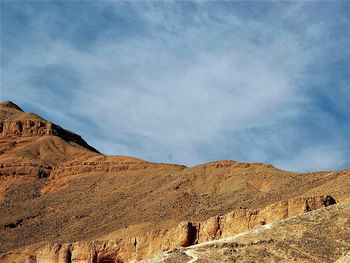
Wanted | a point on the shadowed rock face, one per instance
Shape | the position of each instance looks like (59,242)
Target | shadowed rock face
(322,235)
(8,105)
(61,201)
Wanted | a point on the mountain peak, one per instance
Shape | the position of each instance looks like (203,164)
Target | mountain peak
(14,121)
(10,105)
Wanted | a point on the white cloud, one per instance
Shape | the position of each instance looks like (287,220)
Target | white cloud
(187,82)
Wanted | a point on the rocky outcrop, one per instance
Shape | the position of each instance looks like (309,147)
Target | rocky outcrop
(10,105)
(76,167)
(231,164)
(185,234)
(243,219)
(15,122)
(319,236)
(41,171)
(39,127)
(25,128)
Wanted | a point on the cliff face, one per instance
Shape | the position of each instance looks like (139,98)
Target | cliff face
(15,122)
(40,128)
(185,234)
(322,235)
(61,201)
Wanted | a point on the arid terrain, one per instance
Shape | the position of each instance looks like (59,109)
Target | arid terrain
(63,201)
(318,236)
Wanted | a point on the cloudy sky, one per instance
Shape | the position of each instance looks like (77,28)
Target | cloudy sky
(187,82)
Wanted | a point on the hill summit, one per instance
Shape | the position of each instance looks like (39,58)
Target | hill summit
(31,145)
(9,105)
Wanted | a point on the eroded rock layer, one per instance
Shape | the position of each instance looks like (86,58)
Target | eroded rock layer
(322,235)
(135,248)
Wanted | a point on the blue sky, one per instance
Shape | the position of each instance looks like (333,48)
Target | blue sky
(187,82)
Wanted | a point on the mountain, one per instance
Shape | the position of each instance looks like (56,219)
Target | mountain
(63,201)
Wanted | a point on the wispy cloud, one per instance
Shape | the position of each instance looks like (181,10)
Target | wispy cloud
(187,82)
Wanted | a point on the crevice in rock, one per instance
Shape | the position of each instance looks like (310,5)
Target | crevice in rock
(43,174)
(94,257)
(307,207)
(19,127)
(69,256)
(14,224)
(329,200)
(192,234)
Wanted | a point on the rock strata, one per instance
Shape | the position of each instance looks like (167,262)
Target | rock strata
(185,234)
(15,122)
(40,128)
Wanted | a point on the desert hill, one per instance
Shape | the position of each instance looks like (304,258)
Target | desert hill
(28,138)
(63,201)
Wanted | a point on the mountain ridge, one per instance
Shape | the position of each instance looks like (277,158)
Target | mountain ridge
(63,202)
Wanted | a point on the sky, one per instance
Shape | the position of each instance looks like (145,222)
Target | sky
(187,81)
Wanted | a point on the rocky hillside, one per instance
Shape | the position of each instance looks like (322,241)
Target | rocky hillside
(62,201)
(15,122)
(318,236)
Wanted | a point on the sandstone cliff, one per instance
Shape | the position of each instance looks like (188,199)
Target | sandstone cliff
(322,235)
(185,234)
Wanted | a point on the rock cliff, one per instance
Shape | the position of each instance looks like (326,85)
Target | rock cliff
(322,235)
(185,234)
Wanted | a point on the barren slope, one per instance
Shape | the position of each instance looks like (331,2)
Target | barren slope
(56,188)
